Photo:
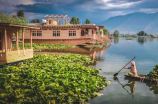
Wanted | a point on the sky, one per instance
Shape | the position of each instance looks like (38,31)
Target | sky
(96,11)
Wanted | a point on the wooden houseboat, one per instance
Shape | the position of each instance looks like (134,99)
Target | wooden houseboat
(57,30)
(7,54)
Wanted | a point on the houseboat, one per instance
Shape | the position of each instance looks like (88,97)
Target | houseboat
(56,29)
(7,54)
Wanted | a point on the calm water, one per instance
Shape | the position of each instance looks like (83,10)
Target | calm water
(120,53)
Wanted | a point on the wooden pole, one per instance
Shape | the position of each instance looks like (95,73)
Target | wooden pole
(23,41)
(17,43)
(5,33)
(30,39)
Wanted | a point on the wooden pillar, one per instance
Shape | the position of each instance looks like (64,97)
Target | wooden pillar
(23,41)
(22,38)
(17,42)
(30,39)
(5,38)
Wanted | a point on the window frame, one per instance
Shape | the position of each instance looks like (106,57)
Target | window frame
(33,33)
(39,33)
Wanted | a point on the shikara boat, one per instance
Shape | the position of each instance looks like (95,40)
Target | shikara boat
(142,78)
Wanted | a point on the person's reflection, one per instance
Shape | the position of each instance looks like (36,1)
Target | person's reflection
(132,85)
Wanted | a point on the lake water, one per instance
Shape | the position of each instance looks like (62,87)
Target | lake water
(120,53)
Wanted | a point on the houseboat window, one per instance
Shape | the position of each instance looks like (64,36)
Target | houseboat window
(54,33)
(70,33)
(33,33)
(58,33)
(74,33)
(39,33)
(86,31)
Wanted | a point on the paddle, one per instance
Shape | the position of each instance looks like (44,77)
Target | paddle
(123,67)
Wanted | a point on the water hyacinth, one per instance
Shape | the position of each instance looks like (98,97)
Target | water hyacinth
(53,79)
(38,47)
(153,74)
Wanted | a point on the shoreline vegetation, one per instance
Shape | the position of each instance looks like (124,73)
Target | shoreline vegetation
(51,79)
(38,47)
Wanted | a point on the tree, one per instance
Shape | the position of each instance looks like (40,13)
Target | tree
(36,21)
(105,31)
(88,21)
(98,31)
(20,13)
(6,18)
(78,21)
(116,33)
(73,20)
(142,33)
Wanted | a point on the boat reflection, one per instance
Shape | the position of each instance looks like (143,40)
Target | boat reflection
(152,86)
(94,53)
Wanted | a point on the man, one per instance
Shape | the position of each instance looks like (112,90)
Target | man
(133,70)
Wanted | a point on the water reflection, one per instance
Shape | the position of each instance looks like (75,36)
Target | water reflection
(116,40)
(153,87)
(95,53)
(142,40)
(131,84)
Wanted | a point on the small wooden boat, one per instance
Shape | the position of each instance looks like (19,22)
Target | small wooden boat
(142,78)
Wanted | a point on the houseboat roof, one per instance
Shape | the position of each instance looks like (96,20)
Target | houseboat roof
(68,25)
(18,25)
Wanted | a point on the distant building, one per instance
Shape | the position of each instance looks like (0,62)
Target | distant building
(56,29)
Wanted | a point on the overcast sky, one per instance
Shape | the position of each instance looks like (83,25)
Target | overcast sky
(95,10)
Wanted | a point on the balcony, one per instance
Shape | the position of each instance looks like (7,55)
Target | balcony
(15,55)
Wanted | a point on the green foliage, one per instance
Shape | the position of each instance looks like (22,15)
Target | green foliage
(38,47)
(36,21)
(116,33)
(6,18)
(46,79)
(88,21)
(98,31)
(78,21)
(142,33)
(73,20)
(20,13)
(105,31)
(153,74)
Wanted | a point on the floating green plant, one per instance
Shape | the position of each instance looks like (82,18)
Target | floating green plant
(38,47)
(52,79)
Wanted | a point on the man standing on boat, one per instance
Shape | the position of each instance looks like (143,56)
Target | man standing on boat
(133,70)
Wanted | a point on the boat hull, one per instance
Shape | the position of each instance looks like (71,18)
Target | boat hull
(142,78)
